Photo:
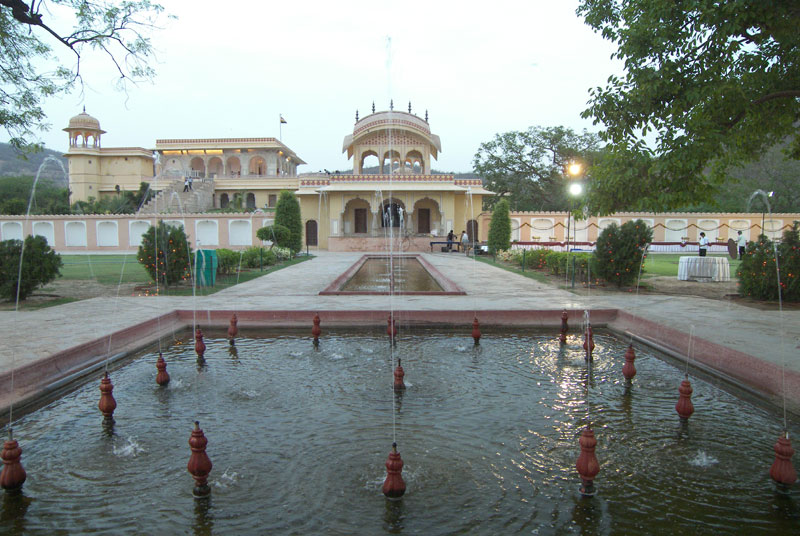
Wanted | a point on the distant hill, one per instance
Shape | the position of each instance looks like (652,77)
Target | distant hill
(11,165)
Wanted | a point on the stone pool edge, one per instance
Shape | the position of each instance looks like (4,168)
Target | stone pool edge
(449,287)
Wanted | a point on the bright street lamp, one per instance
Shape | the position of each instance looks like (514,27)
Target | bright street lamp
(575,189)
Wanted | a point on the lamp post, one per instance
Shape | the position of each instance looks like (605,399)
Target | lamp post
(763,210)
(573,170)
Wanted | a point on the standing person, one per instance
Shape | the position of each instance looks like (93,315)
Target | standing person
(186,184)
(741,241)
(703,244)
(451,237)
(465,242)
(190,182)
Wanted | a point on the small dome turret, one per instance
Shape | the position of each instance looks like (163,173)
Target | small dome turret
(83,128)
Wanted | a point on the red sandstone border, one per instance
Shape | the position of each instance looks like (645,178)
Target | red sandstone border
(449,287)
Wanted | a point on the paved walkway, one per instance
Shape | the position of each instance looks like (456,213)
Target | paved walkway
(766,335)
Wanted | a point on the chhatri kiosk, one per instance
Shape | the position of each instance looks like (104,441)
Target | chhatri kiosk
(400,198)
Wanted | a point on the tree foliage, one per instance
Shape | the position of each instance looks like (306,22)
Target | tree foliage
(121,203)
(530,165)
(773,172)
(278,234)
(287,213)
(48,197)
(40,265)
(165,254)
(620,251)
(500,228)
(715,83)
(30,69)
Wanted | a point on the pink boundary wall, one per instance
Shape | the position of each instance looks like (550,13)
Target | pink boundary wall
(449,288)
(39,379)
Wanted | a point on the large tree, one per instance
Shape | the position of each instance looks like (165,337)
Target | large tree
(529,166)
(30,69)
(707,85)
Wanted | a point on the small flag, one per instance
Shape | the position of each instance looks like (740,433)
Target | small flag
(283,121)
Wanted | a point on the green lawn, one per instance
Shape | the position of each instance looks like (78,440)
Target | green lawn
(667,264)
(113,269)
(106,269)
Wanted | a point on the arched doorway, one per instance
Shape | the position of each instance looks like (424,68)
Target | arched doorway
(472,231)
(311,233)
(251,201)
(223,201)
(391,214)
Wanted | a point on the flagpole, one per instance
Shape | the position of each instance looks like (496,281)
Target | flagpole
(280,128)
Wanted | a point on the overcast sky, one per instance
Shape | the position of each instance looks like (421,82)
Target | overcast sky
(230,69)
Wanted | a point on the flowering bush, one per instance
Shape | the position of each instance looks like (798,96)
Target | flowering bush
(282,254)
(620,250)
(165,254)
(758,275)
(508,255)
(40,265)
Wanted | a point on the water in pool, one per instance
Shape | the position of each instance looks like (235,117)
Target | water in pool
(488,434)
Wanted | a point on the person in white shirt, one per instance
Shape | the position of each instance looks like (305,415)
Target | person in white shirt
(703,244)
(741,241)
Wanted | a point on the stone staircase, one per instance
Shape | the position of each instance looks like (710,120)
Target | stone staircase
(173,200)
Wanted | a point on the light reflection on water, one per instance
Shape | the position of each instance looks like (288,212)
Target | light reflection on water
(488,434)
(409,276)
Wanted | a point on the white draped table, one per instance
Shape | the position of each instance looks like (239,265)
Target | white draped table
(704,269)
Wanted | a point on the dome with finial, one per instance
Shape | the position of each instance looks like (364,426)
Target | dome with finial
(84,121)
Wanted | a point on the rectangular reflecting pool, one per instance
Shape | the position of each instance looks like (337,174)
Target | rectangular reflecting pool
(395,274)
(299,436)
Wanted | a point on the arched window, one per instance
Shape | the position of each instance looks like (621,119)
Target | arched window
(223,201)
(251,201)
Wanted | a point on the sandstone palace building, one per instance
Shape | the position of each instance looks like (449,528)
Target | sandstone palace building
(391,191)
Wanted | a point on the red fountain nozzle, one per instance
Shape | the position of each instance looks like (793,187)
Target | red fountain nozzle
(476,331)
(199,345)
(394,487)
(399,374)
(628,369)
(162,378)
(199,465)
(233,328)
(684,407)
(13,475)
(782,470)
(564,326)
(316,331)
(587,464)
(107,403)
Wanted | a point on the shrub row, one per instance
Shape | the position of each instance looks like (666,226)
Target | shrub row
(555,262)
(617,257)
(253,257)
